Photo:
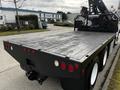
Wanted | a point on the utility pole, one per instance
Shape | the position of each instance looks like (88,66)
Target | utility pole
(17,16)
(0,3)
(1,6)
(119,6)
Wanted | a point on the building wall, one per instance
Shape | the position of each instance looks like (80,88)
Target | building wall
(2,19)
(53,16)
(10,13)
(9,16)
(32,13)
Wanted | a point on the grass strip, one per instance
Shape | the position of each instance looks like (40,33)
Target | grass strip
(115,81)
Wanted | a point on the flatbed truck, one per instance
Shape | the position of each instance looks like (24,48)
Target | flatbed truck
(75,58)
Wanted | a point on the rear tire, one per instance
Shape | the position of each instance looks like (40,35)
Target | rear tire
(103,56)
(92,74)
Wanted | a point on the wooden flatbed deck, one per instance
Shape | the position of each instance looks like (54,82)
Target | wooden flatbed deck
(75,45)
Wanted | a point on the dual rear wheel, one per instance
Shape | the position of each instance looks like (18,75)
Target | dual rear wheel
(98,65)
(83,84)
(92,71)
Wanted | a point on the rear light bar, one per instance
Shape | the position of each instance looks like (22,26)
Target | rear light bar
(69,67)
(8,45)
(28,50)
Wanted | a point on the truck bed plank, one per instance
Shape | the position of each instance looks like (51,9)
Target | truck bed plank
(71,44)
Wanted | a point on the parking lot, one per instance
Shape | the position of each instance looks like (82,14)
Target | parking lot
(12,77)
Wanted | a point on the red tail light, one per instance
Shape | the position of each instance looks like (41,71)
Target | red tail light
(7,45)
(33,51)
(24,49)
(76,66)
(28,50)
(63,66)
(70,68)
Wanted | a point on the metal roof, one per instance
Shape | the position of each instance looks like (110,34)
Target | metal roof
(24,10)
(13,9)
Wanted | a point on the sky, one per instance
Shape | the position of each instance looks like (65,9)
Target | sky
(56,5)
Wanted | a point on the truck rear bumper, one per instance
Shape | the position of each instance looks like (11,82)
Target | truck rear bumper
(43,63)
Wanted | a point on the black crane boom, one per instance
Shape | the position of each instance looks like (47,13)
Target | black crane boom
(96,18)
(97,6)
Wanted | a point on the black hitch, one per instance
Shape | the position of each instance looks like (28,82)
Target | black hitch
(42,79)
(32,75)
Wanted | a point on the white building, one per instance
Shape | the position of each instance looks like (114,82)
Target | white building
(8,15)
(48,15)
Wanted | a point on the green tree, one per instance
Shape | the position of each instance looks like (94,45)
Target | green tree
(69,13)
(64,15)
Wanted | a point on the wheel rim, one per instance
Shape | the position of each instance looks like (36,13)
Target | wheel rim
(94,74)
(105,58)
